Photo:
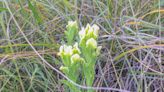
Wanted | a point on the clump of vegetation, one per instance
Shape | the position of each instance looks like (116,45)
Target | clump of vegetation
(80,59)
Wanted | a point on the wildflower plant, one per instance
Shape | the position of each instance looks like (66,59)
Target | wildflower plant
(90,51)
(72,30)
(80,59)
(71,63)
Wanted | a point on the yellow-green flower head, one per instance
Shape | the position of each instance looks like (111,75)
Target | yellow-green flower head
(89,32)
(75,58)
(65,50)
(84,31)
(93,31)
(91,43)
(76,49)
(72,24)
